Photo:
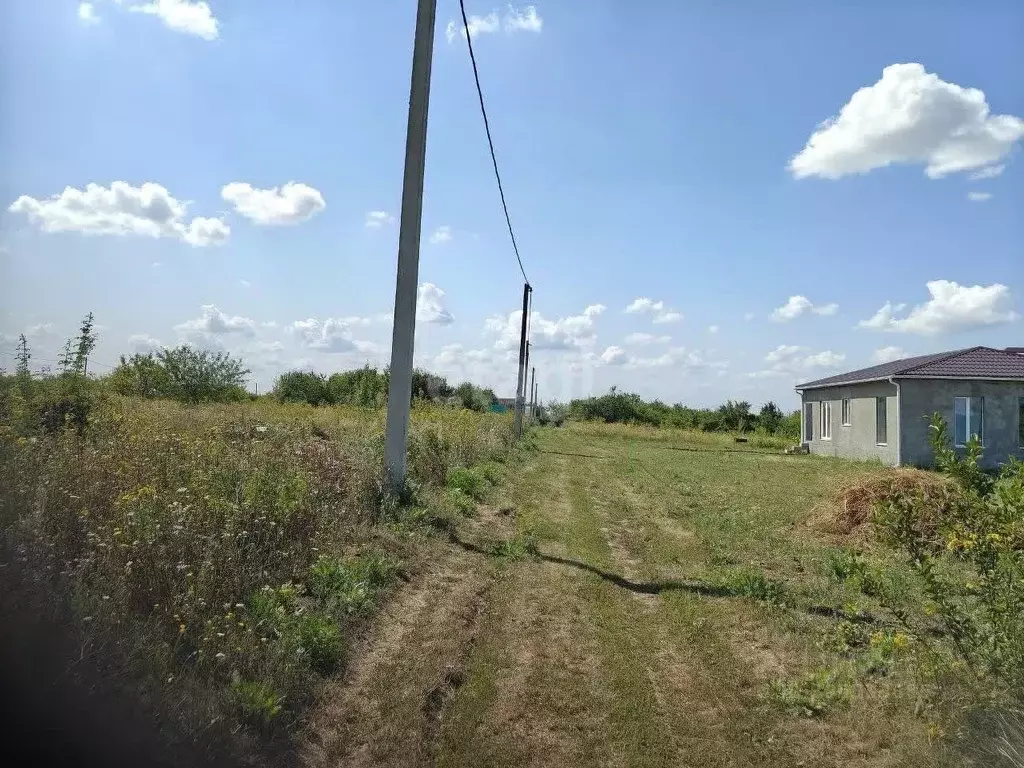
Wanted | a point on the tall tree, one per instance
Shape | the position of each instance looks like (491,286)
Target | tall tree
(23,356)
(86,344)
(66,359)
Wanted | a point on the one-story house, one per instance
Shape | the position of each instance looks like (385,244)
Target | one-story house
(882,412)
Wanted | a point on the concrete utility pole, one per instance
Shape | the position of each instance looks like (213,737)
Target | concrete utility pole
(533,388)
(404,333)
(517,423)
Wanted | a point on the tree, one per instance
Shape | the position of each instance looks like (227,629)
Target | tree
(200,375)
(141,376)
(86,343)
(23,356)
(770,417)
(66,359)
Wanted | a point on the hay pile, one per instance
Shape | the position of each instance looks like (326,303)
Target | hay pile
(847,511)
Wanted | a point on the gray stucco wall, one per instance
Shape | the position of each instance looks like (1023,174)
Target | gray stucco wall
(922,397)
(856,441)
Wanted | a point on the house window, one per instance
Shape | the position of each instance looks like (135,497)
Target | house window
(846,411)
(968,419)
(826,420)
(881,421)
(808,421)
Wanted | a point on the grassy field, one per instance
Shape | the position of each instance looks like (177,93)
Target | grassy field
(599,595)
(680,614)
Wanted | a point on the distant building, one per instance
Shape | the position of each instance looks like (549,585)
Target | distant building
(882,412)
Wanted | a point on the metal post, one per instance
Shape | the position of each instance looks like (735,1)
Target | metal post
(404,333)
(517,423)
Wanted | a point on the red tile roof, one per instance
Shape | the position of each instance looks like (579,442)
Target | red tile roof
(970,363)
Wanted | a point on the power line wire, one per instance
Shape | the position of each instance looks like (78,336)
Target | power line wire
(490,141)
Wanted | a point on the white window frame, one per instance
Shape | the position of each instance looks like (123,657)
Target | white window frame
(846,412)
(825,416)
(967,426)
(884,401)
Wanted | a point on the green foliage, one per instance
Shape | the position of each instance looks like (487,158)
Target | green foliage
(753,584)
(847,567)
(365,387)
(84,345)
(302,387)
(816,694)
(184,373)
(368,388)
(471,482)
(518,547)
(257,700)
(969,557)
(732,416)
(23,355)
(320,640)
(966,470)
(350,585)
(554,413)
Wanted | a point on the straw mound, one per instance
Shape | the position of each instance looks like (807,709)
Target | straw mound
(847,511)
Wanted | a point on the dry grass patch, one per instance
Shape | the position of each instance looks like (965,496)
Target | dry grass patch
(847,511)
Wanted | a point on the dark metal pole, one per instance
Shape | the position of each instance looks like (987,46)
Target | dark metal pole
(521,383)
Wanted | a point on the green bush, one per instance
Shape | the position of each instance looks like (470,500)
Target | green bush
(257,700)
(471,482)
(969,557)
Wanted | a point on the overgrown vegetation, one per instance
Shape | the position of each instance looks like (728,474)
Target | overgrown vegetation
(967,549)
(367,387)
(628,408)
(219,551)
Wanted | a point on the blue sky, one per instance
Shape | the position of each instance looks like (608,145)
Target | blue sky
(669,158)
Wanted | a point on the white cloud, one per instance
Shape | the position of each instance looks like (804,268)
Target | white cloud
(39,330)
(909,116)
(148,210)
(793,360)
(572,332)
(978,197)
(245,283)
(191,18)
(334,335)
(712,329)
(478,25)
(887,355)
(748,316)
(678,357)
(378,219)
(801,305)
(143,343)
(989,172)
(614,356)
(457,354)
(87,14)
(442,234)
(525,20)
(430,306)
(951,308)
(212,323)
(645,339)
(656,309)
(290,204)
(783,352)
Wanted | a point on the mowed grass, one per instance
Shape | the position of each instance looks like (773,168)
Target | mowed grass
(680,613)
